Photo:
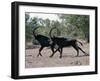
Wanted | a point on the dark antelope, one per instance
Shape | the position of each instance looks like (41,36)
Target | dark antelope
(43,41)
(62,42)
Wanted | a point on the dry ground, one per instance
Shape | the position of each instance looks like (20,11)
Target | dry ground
(68,59)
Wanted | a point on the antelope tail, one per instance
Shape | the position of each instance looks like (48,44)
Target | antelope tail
(80,42)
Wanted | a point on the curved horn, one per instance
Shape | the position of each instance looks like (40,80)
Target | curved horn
(52,30)
(34,31)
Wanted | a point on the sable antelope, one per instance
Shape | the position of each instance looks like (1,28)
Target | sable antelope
(43,41)
(65,42)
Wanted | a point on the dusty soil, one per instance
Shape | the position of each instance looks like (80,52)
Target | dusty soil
(68,59)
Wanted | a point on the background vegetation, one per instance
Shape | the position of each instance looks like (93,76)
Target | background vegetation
(73,26)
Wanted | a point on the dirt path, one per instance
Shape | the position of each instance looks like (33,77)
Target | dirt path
(68,59)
